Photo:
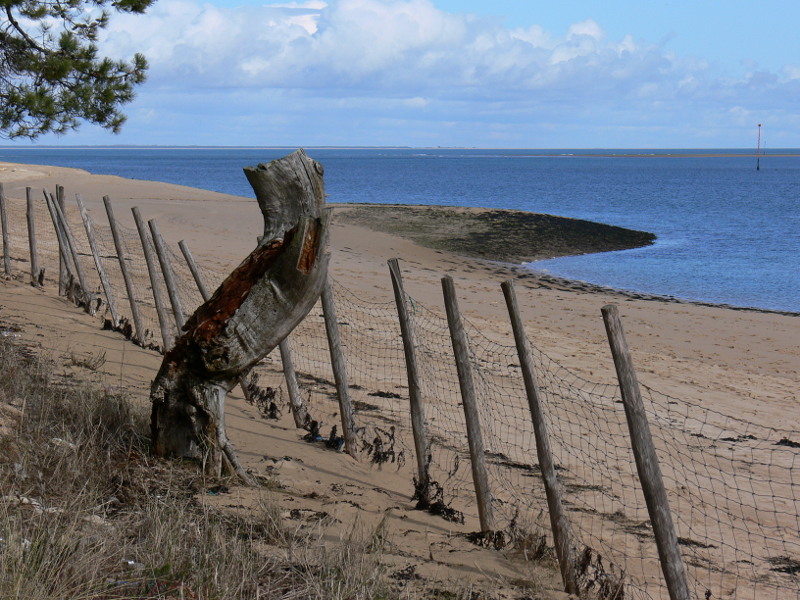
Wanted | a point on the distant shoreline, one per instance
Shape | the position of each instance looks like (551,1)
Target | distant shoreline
(670,155)
(509,236)
(518,152)
(502,237)
(506,238)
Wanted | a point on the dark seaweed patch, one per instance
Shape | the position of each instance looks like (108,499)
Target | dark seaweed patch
(381,394)
(739,438)
(784,564)
(788,443)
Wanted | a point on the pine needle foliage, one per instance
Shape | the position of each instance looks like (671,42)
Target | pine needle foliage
(52,77)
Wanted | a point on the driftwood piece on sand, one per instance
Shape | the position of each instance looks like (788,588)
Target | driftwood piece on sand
(255,308)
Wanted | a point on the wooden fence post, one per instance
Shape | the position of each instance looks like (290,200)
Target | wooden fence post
(121,257)
(37,276)
(558,517)
(195,271)
(73,246)
(647,466)
(421,443)
(339,371)
(101,272)
(169,275)
(72,249)
(63,253)
(166,334)
(4,225)
(299,412)
(469,401)
(64,270)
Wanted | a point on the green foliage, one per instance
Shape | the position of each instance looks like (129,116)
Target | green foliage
(51,77)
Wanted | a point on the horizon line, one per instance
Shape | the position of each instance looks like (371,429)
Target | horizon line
(364,147)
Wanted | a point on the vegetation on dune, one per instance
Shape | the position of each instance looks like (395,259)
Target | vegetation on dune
(87,513)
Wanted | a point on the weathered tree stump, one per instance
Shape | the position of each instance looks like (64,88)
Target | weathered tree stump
(255,308)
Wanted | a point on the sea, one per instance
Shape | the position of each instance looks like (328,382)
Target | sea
(727,232)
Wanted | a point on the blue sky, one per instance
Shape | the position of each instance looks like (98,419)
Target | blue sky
(525,73)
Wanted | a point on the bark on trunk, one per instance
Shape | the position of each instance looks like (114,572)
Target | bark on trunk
(255,308)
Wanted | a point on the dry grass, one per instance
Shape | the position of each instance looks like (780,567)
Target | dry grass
(85,512)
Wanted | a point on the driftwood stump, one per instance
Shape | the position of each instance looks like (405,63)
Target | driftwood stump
(255,308)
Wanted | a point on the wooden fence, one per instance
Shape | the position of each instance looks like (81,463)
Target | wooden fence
(540,440)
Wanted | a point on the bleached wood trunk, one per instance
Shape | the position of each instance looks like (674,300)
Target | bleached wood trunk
(255,308)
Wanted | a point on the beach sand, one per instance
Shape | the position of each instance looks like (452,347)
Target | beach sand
(739,362)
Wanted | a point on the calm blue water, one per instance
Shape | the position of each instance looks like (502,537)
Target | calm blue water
(726,232)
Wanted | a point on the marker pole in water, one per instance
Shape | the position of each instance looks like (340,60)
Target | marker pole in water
(758,150)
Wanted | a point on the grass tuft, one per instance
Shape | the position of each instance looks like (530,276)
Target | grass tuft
(87,513)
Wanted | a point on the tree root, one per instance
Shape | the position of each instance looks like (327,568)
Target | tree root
(233,464)
(229,459)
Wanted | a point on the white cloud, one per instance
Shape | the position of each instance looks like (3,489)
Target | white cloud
(417,102)
(791,72)
(371,64)
(404,47)
(588,28)
(311,4)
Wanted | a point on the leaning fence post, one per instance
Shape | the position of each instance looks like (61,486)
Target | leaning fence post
(158,299)
(73,250)
(194,270)
(299,411)
(421,446)
(339,371)
(137,321)
(647,466)
(558,517)
(469,400)
(63,257)
(37,276)
(64,271)
(4,223)
(101,272)
(169,275)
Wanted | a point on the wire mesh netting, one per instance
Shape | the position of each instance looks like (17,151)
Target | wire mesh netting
(732,485)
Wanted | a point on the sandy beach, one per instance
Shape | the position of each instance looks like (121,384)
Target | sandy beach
(742,363)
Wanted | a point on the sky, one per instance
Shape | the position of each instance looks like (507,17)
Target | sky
(460,73)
